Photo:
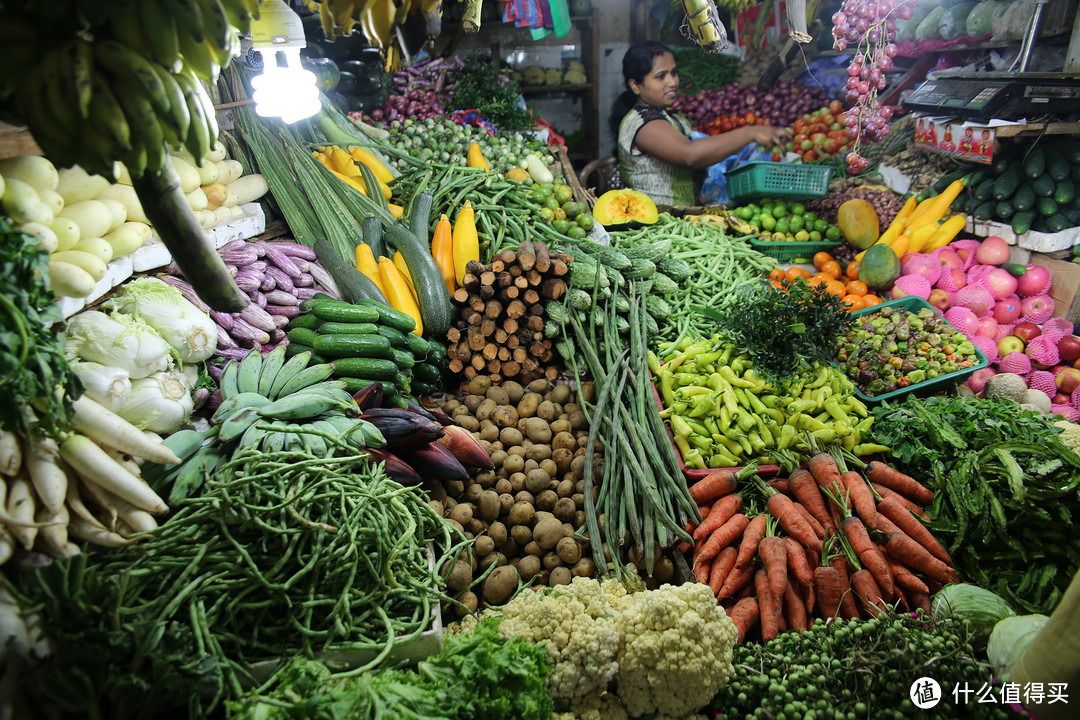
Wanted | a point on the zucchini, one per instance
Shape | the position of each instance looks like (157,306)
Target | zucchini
(436,308)
(366,367)
(1007,182)
(1064,192)
(346,346)
(984,190)
(1024,197)
(1057,223)
(1035,163)
(295,348)
(417,345)
(347,328)
(1043,186)
(335,311)
(426,372)
(420,214)
(307,320)
(943,182)
(1021,221)
(372,227)
(392,317)
(302,336)
(1046,206)
(395,337)
(1057,166)
(985,211)
(402,358)
(352,283)
(1004,209)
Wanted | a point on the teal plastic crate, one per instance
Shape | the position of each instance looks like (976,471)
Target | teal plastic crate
(774,179)
(942,383)
(793,252)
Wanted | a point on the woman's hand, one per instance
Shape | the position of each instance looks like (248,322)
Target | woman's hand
(768,136)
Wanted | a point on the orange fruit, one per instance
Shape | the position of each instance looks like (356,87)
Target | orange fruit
(776,274)
(777,284)
(854,287)
(870,300)
(835,287)
(820,258)
(831,268)
(852,270)
(796,272)
(853,302)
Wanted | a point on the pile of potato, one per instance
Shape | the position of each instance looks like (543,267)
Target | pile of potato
(523,514)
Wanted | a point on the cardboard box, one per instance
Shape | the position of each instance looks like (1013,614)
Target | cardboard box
(1066,286)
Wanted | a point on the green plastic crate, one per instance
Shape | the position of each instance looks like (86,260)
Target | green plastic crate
(913,303)
(792,252)
(774,179)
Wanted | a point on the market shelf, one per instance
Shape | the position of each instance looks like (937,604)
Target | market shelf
(534,89)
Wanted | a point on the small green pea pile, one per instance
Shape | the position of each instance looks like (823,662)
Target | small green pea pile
(776,220)
(443,140)
(846,670)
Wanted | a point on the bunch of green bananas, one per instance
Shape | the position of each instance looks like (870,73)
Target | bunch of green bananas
(273,404)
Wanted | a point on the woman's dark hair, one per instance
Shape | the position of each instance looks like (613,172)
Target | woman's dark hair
(636,64)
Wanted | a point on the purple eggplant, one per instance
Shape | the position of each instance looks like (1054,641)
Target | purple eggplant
(295,250)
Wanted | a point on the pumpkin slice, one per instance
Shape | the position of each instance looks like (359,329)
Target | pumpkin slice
(619,207)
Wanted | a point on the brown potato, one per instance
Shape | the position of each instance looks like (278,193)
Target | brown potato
(529,566)
(497,532)
(506,501)
(663,568)
(502,485)
(560,576)
(560,394)
(538,430)
(484,545)
(579,499)
(448,505)
(577,465)
(548,533)
(571,407)
(522,513)
(577,420)
(489,431)
(514,391)
(546,411)
(472,493)
(498,394)
(587,391)
(485,410)
(457,526)
(534,549)
(475,526)
(538,452)
(509,548)
(462,512)
(505,416)
(550,467)
(564,440)
(495,446)
(522,534)
(526,407)
(580,485)
(514,463)
(540,386)
(479,385)
(551,560)
(472,402)
(468,422)
(546,500)
(437,506)
(568,550)
(579,518)
(517,482)
(498,457)
(525,497)
(560,425)
(454,488)
(496,558)
(470,602)
(537,480)
(488,505)
(585,567)
(486,478)
(516,451)
(565,488)
(530,465)
(543,515)
(450,405)
(564,509)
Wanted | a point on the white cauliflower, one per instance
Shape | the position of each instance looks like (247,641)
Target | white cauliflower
(675,652)
(1070,435)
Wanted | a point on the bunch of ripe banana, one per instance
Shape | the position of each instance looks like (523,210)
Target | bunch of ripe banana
(377,18)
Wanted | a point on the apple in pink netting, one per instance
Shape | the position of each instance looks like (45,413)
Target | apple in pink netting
(987,326)
(1006,311)
(1027,331)
(1067,380)
(1061,399)
(939,299)
(1069,348)
(1008,344)
(949,259)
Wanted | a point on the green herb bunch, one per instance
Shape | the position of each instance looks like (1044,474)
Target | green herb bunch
(477,87)
(32,363)
(783,330)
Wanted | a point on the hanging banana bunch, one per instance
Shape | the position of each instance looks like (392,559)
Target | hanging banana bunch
(706,26)
(126,95)
(338,17)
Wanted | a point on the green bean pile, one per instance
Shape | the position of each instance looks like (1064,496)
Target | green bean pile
(505,216)
(289,553)
(720,264)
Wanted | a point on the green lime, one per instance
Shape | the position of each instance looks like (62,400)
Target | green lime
(782,225)
(573,209)
(815,236)
(585,221)
(832,233)
(755,220)
(821,225)
(564,193)
(550,202)
(768,222)
(547,213)
(559,214)
(809,216)
(780,210)
(744,213)
(779,237)
(576,232)
(798,209)
(802,236)
(795,222)
(562,226)
(767,208)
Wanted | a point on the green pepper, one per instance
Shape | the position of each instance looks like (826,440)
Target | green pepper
(763,431)
(821,378)
(808,423)
(769,401)
(697,428)
(732,447)
(755,441)
(755,404)
(916,376)
(824,435)
(832,406)
(731,377)
(702,406)
(653,362)
(854,405)
(744,421)
(721,459)
(666,390)
(680,427)
(694,459)
(796,407)
(864,449)
(787,436)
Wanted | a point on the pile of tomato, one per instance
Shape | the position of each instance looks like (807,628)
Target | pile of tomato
(842,282)
(821,134)
(725,123)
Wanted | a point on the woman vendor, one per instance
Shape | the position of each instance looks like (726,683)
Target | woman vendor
(656,154)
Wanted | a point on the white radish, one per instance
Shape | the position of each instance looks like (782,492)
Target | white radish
(95,465)
(76,505)
(91,533)
(123,459)
(21,506)
(136,519)
(50,480)
(13,633)
(53,536)
(102,424)
(10,453)
(68,280)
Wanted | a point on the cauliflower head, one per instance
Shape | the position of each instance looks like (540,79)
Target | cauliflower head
(675,652)
(1070,434)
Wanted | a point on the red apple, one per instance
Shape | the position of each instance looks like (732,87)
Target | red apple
(1057,368)
(1061,399)
(949,259)
(939,299)
(1067,380)
(1027,331)
(959,277)
(1006,311)
(964,253)
(1033,305)
(1010,343)
(1069,349)
(987,326)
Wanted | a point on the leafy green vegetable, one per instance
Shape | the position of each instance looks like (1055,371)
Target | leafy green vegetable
(783,330)
(478,87)
(32,364)
(1006,489)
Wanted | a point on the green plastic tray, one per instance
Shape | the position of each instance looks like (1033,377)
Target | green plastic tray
(791,252)
(913,303)
(793,180)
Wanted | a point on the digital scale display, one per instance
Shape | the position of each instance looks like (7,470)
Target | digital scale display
(1008,96)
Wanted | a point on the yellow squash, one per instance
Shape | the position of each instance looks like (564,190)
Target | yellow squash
(400,264)
(442,250)
(359,154)
(398,293)
(466,243)
(365,263)
(476,159)
(945,233)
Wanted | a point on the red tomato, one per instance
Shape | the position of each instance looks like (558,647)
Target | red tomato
(836,106)
(810,156)
(832,146)
(818,138)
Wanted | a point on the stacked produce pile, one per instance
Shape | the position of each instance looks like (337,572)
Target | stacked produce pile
(780,105)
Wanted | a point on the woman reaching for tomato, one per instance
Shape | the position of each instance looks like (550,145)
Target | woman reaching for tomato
(656,154)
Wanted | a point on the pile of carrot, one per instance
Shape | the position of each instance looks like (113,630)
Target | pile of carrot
(830,542)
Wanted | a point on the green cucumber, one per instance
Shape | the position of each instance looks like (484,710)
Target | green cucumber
(352,283)
(1004,209)
(402,381)
(985,211)
(366,367)
(1057,166)
(395,336)
(347,328)
(1008,181)
(417,345)
(295,348)
(424,388)
(1021,221)
(1046,206)
(436,308)
(1024,197)
(335,311)
(307,320)
(302,336)
(426,372)
(1035,163)
(1000,164)
(391,317)
(984,190)
(1070,149)
(352,346)
(1043,186)
(1015,269)
(1057,223)
(943,182)
(1064,192)
(403,358)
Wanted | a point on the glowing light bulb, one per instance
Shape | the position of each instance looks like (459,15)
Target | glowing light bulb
(284,90)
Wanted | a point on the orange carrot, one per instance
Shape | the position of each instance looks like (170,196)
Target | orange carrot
(755,531)
(796,563)
(721,512)
(818,529)
(701,571)
(745,616)
(848,609)
(747,590)
(862,582)
(794,609)
(915,556)
(827,476)
(780,485)
(891,508)
(806,491)
(919,601)
(868,554)
(737,579)
(773,553)
(887,492)
(782,508)
(906,579)
(712,486)
(885,525)
(829,590)
(721,538)
(895,480)
(809,599)
(862,500)
(722,564)
(813,559)
(768,605)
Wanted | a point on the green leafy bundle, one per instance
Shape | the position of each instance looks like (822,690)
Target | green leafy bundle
(783,330)
(32,364)
(1007,490)
(477,87)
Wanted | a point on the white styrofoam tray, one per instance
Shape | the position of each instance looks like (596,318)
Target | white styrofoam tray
(1034,241)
